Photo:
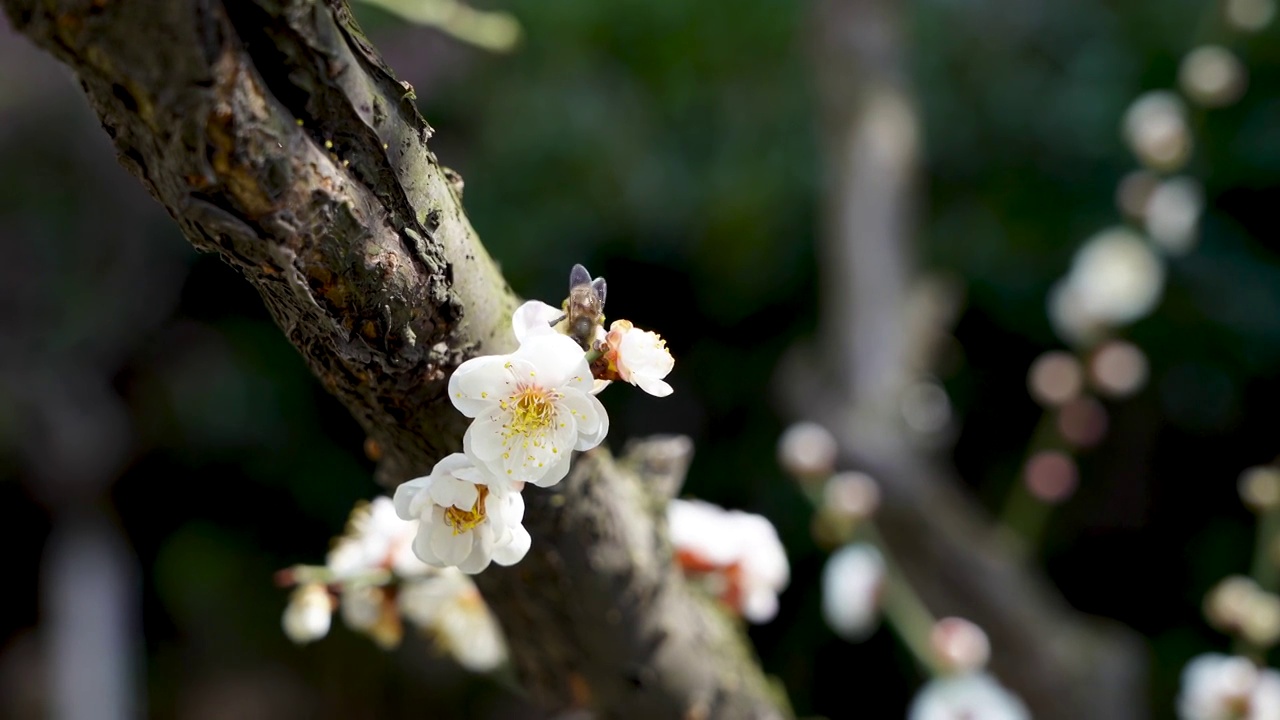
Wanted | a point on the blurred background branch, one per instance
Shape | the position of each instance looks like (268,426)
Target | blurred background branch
(880,320)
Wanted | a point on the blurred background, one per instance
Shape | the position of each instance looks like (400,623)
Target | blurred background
(164,450)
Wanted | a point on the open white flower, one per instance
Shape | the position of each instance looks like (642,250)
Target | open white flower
(966,697)
(1221,687)
(852,582)
(449,606)
(532,409)
(737,555)
(641,357)
(463,522)
(376,538)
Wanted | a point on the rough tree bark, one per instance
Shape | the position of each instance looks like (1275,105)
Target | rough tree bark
(1066,666)
(276,137)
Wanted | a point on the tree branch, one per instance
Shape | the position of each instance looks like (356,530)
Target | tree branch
(276,137)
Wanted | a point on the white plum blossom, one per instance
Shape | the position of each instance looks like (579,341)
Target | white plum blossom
(462,521)
(532,409)
(640,357)
(376,538)
(737,554)
(976,696)
(308,614)
(448,605)
(852,582)
(1221,687)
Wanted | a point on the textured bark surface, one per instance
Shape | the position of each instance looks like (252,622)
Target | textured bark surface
(276,137)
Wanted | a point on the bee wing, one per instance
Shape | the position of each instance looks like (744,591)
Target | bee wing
(579,276)
(598,286)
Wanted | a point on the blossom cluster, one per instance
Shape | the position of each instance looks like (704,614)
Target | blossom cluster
(531,410)
(374,581)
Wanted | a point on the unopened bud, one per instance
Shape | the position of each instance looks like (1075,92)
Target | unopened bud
(1155,127)
(1083,422)
(1051,476)
(1055,378)
(848,499)
(1261,622)
(1118,369)
(1260,488)
(807,450)
(853,495)
(960,646)
(1250,15)
(1211,76)
(1228,603)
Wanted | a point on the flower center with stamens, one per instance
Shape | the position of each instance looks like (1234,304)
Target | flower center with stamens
(464,520)
(532,410)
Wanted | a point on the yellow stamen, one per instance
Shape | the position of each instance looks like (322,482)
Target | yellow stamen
(464,520)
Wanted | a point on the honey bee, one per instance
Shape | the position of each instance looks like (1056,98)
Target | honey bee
(584,308)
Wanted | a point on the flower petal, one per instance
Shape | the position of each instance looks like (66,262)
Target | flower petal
(556,360)
(533,317)
(451,491)
(555,472)
(450,464)
(588,440)
(515,550)
(413,498)
(450,548)
(476,562)
(652,385)
(484,439)
(478,383)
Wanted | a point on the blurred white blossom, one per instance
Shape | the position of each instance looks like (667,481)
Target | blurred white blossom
(1173,214)
(852,585)
(1156,130)
(1118,369)
(308,614)
(960,646)
(375,539)
(369,609)
(1221,687)
(737,554)
(1114,280)
(1212,76)
(449,607)
(807,449)
(1250,15)
(975,696)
